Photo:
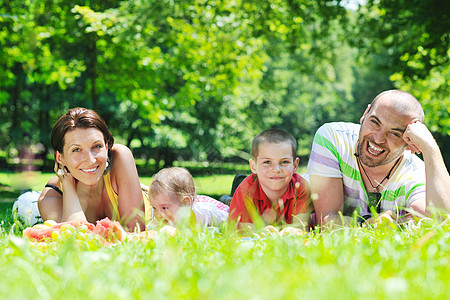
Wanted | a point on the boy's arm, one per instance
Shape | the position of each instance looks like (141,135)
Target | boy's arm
(246,229)
(238,211)
(239,214)
(303,206)
(301,221)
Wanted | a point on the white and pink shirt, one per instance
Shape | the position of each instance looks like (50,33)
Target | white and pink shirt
(209,212)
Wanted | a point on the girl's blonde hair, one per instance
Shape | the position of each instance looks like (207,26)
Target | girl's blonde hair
(176,182)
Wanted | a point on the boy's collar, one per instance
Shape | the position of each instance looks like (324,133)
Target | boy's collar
(289,194)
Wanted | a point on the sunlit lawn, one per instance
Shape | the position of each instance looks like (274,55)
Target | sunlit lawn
(214,184)
(351,263)
(209,185)
(343,264)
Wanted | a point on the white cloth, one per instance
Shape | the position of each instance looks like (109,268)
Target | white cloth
(209,211)
(26,208)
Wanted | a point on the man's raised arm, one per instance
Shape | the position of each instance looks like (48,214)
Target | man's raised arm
(420,140)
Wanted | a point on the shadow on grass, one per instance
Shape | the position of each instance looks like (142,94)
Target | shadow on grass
(7,198)
(6,217)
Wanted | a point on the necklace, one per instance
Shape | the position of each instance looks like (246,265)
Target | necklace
(374,198)
(368,178)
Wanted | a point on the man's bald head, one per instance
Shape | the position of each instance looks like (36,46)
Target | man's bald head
(402,102)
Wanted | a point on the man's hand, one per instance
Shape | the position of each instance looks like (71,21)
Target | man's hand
(418,137)
(383,219)
(334,220)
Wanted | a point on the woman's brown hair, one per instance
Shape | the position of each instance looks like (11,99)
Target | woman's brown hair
(79,117)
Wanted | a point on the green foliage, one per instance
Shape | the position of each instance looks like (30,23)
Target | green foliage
(434,94)
(197,80)
(342,264)
(413,39)
(414,34)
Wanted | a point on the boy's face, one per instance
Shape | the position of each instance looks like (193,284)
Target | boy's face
(274,167)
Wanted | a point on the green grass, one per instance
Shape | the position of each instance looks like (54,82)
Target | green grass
(348,263)
(25,180)
(351,263)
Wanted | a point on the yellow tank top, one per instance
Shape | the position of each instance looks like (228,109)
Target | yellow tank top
(114,198)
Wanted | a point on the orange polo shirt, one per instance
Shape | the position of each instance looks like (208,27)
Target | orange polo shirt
(250,196)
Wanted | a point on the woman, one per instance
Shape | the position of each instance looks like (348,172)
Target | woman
(95,178)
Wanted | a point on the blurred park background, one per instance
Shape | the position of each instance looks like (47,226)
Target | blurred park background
(190,82)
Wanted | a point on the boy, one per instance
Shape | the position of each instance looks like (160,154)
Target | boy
(274,193)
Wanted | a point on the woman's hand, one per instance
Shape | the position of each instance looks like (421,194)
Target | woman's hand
(64,175)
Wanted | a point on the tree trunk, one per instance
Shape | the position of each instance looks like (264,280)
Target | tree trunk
(92,53)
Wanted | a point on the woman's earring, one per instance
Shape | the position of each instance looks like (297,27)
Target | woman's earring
(107,164)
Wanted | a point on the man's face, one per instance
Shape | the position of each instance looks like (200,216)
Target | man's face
(381,135)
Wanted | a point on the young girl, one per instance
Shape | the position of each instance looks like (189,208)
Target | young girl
(172,195)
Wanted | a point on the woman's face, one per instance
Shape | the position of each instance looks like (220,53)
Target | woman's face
(84,154)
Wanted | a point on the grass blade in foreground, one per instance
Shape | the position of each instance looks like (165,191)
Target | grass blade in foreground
(346,263)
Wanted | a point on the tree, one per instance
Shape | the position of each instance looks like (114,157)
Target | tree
(34,71)
(414,38)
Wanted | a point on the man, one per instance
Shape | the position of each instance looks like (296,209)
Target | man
(371,167)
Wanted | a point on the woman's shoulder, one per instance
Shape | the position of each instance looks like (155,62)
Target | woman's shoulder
(121,155)
(122,163)
(119,149)
(54,181)
(51,189)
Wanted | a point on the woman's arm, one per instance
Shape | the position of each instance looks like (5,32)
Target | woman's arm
(50,202)
(125,181)
(54,206)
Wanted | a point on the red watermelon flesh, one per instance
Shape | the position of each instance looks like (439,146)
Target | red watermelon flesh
(110,230)
(39,234)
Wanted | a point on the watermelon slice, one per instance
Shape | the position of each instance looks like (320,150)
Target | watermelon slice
(39,233)
(111,231)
